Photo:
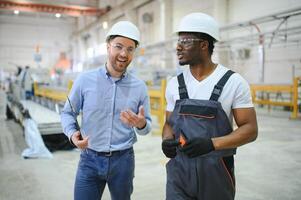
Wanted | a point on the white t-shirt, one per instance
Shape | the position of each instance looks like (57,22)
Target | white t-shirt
(235,94)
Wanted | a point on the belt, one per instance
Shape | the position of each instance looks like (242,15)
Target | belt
(110,153)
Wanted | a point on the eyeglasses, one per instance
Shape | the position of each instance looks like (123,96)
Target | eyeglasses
(120,48)
(186,42)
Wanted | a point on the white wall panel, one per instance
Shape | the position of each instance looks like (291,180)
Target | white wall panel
(182,8)
(242,10)
(150,29)
(281,55)
(20,35)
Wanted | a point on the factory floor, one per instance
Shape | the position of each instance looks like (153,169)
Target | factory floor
(268,169)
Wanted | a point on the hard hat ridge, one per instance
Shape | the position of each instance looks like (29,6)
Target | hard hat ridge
(125,29)
(201,23)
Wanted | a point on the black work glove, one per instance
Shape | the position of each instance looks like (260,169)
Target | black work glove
(169,147)
(197,147)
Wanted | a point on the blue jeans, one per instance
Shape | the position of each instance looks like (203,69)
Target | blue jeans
(95,171)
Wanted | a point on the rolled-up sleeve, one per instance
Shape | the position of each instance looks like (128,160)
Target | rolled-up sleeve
(145,130)
(67,116)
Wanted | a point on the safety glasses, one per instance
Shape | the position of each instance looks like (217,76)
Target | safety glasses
(187,42)
(120,48)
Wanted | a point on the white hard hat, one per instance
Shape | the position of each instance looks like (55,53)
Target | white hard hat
(125,29)
(201,23)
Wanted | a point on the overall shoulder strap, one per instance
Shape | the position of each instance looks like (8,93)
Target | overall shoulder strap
(182,87)
(218,88)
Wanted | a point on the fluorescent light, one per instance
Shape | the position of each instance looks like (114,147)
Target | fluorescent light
(58,15)
(105,25)
(16,12)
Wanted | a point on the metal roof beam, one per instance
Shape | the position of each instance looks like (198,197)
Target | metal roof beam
(74,11)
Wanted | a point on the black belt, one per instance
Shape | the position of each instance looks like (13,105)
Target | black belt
(110,153)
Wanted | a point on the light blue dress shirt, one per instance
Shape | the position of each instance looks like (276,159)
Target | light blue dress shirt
(100,98)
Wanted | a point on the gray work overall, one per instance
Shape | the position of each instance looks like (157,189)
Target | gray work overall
(206,177)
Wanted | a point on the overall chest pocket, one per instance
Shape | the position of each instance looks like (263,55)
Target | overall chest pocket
(202,112)
(197,121)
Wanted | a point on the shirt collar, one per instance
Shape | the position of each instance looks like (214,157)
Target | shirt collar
(105,72)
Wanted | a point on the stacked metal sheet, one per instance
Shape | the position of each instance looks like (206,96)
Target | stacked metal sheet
(48,121)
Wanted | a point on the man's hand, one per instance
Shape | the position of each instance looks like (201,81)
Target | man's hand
(132,119)
(78,142)
(197,147)
(169,147)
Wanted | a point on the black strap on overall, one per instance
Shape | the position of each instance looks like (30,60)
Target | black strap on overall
(218,88)
(217,91)
(182,87)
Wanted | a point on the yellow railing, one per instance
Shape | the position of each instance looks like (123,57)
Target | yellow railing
(157,99)
(52,93)
(157,102)
(292,90)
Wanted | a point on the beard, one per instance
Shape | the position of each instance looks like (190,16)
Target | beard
(192,61)
(184,62)
(119,68)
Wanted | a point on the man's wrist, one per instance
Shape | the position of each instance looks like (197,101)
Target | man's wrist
(71,138)
(167,137)
(215,143)
(71,141)
(142,127)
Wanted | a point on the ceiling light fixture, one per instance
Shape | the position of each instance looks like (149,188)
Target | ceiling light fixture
(105,25)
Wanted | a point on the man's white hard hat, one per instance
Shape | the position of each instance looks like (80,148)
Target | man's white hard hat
(201,23)
(125,29)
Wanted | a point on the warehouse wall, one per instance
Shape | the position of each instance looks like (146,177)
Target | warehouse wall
(181,8)
(159,52)
(20,35)
(149,17)
(242,10)
(281,56)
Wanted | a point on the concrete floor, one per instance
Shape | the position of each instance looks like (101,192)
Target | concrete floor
(268,169)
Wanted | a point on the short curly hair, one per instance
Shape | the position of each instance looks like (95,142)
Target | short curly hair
(208,38)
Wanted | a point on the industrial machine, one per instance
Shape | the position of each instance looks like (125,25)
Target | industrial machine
(43,105)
